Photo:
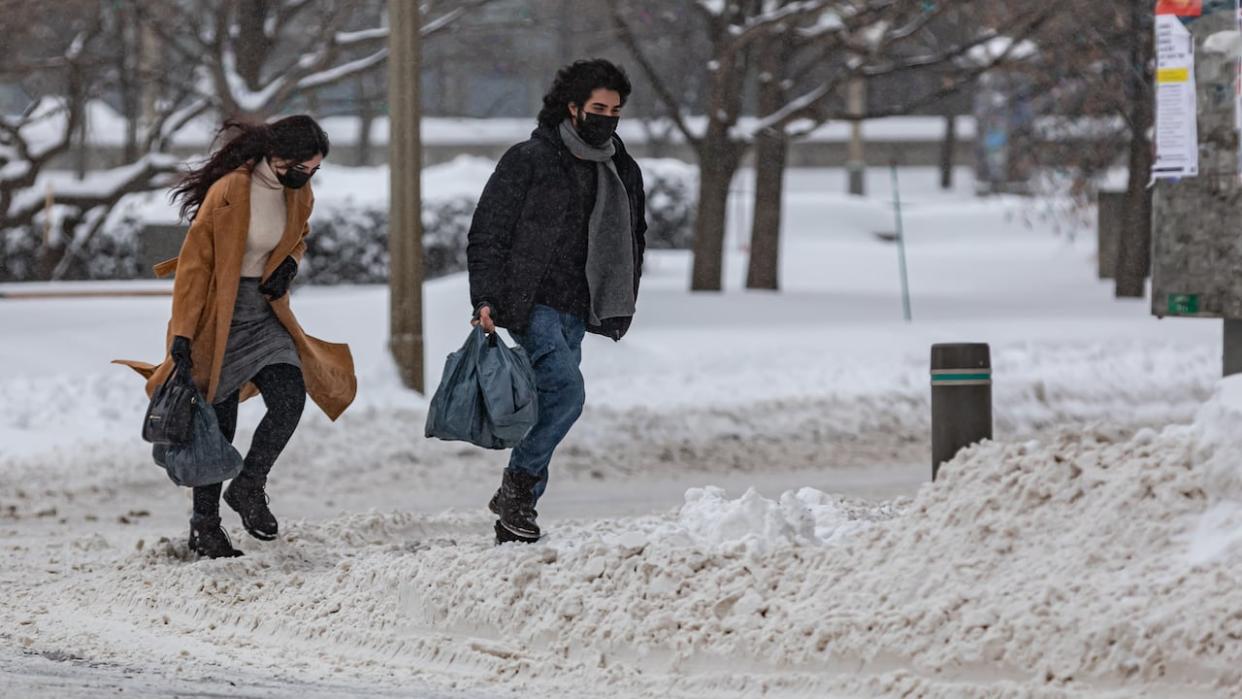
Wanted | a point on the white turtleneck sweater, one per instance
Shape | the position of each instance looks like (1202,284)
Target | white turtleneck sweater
(267,219)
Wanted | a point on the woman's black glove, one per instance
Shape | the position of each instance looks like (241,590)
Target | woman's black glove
(277,285)
(181,352)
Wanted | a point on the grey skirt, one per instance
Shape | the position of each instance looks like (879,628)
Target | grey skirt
(256,340)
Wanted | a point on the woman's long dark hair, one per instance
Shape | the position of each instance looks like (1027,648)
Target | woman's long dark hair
(295,139)
(574,84)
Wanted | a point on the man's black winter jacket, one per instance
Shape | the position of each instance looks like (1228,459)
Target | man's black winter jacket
(531,204)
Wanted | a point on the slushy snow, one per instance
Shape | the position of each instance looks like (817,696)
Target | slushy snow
(1053,565)
(741,511)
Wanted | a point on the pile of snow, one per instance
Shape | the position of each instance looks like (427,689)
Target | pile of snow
(1218,448)
(1218,454)
(805,517)
(1058,566)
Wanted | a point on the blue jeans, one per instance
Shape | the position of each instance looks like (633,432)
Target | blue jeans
(553,340)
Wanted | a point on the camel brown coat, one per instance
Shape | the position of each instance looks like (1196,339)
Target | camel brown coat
(208,273)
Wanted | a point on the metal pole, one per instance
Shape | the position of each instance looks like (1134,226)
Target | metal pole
(857,164)
(405,234)
(901,249)
(961,382)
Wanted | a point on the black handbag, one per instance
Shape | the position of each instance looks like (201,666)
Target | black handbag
(170,417)
(206,458)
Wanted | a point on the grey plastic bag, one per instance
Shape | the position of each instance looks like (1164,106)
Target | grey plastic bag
(208,458)
(487,395)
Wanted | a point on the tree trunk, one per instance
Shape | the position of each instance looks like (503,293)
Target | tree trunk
(717,166)
(567,12)
(948,152)
(366,118)
(771,148)
(253,44)
(129,81)
(1134,245)
(80,136)
(765,238)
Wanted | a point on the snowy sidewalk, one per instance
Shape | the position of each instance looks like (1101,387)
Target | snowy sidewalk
(1092,551)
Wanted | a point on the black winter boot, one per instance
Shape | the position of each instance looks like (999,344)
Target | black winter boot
(208,539)
(514,503)
(247,497)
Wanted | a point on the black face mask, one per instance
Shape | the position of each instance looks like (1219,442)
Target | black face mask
(597,129)
(293,179)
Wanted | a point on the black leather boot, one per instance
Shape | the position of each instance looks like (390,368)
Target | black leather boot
(247,497)
(208,539)
(514,503)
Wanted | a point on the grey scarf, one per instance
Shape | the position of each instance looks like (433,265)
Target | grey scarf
(610,239)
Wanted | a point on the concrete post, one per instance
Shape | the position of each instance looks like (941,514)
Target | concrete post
(405,231)
(1233,347)
(1112,214)
(1197,244)
(961,381)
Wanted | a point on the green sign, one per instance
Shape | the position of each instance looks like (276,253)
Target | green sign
(1183,304)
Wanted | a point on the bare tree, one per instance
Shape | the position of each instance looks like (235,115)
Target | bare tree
(256,56)
(170,62)
(1096,77)
(64,213)
(735,31)
(855,39)
(895,40)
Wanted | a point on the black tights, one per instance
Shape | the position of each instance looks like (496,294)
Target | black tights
(284,393)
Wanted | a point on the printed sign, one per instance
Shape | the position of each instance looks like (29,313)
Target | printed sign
(1180,8)
(1183,304)
(1177,128)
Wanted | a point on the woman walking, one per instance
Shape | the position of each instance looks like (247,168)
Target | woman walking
(232,325)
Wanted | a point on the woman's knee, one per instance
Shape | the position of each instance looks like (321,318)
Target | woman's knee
(283,388)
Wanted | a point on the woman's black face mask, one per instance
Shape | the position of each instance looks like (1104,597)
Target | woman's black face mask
(596,129)
(293,178)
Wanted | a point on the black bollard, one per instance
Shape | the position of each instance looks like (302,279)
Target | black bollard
(961,379)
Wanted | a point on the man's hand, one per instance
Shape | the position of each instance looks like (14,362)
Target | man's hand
(483,318)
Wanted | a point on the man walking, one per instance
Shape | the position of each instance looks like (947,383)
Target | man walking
(556,250)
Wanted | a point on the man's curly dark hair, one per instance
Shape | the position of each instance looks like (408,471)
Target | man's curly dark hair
(574,84)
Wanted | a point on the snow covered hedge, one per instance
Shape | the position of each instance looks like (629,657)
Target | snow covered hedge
(109,254)
(672,190)
(350,243)
(349,239)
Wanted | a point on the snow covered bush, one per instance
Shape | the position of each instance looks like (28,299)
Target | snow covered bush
(446,223)
(349,240)
(349,236)
(671,187)
(346,246)
(19,255)
(108,254)
(349,244)
(111,253)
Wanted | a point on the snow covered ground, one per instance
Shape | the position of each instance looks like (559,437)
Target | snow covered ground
(1094,549)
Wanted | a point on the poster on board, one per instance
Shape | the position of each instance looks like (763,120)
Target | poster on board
(1177,128)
